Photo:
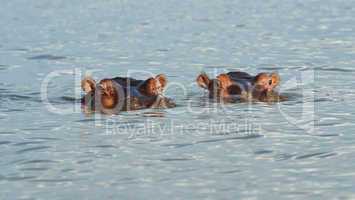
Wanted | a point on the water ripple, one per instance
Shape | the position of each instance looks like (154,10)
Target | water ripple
(311,155)
(106,146)
(15,97)
(328,135)
(178,145)
(262,152)
(230,138)
(175,159)
(36,161)
(4,67)
(231,171)
(4,142)
(44,138)
(84,161)
(284,156)
(53,180)
(34,169)
(19,178)
(27,143)
(46,57)
(32,149)
(7,133)
(334,69)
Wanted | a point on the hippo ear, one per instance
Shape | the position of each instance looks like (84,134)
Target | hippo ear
(88,84)
(224,80)
(275,78)
(162,80)
(260,78)
(203,81)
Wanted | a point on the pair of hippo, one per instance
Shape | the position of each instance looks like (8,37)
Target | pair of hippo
(123,94)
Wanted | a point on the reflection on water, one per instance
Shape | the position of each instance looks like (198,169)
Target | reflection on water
(297,149)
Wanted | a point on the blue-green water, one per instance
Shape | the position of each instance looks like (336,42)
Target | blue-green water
(299,149)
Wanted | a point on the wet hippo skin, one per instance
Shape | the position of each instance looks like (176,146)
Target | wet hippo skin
(242,85)
(122,94)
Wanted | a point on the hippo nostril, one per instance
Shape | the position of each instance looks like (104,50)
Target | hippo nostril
(270,82)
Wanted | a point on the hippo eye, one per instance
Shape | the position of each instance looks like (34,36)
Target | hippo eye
(270,82)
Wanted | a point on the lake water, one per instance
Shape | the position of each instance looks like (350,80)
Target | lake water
(299,149)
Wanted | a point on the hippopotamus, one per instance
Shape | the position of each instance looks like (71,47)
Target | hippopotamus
(123,94)
(242,85)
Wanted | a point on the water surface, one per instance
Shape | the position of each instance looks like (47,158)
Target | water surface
(299,149)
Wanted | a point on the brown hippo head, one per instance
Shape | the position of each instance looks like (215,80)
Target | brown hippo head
(153,86)
(266,82)
(264,88)
(111,94)
(245,86)
(218,87)
(106,90)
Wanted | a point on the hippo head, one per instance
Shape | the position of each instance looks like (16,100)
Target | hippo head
(111,97)
(153,86)
(218,87)
(266,82)
(106,90)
